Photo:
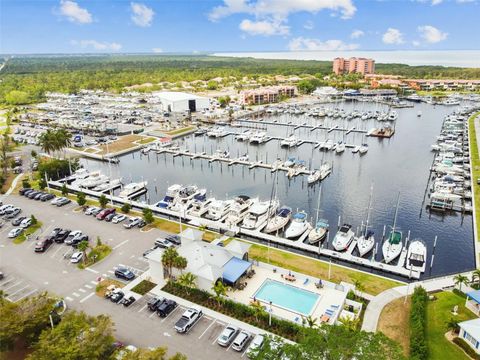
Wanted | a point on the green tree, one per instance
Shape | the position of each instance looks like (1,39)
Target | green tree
(64,190)
(82,247)
(148,215)
(126,208)
(33,153)
(258,309)
(309,321)
(99,241)
(453,326)
(77,337)
(26,184)
(188,280)
(81,199)
(159,353)
(476,276)
(220,291)
(5,147)
(34,220)
(103,201)
(16,97)
(180,263)
(460,280)
(168,260)
(42,183)
(212,85)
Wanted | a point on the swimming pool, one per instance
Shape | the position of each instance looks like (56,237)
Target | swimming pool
(287,296)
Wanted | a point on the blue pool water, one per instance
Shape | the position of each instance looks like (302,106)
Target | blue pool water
(287,296)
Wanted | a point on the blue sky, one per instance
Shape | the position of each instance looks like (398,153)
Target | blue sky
(79,26)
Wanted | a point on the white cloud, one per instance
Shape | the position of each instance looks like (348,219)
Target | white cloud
(436,2)
(264,27)
(431,34)
(302,43)
(392,36)
(309,25)
(142,15)
(74,13)
(97,45)
(416,43)
(157,50)
(356,34)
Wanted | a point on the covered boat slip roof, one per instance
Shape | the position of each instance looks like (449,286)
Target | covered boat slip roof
(176,96)
(234,269)
(474,295)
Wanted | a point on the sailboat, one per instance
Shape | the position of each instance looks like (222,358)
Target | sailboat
(319,232)
(392,246)
(366,241)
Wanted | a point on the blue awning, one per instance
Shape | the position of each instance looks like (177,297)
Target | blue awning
(474,295)
(234,269)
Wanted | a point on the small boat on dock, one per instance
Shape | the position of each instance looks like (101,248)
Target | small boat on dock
(416,256)
(319,232)
(200,132)
(218,209)
(314,177)
(289,142)
(290,162)
(279,221)
(363,149)
(340,147)
(170,196)
(258,138)
(244,136)
(298,225)
(133,190)
(259,213)
(343,238)
(238,210)
(392,246)
(356,149)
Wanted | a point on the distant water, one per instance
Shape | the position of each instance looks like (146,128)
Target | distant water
(459,58)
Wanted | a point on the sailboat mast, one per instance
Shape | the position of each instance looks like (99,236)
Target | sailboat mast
(318,203)
(396,212)
(369,208)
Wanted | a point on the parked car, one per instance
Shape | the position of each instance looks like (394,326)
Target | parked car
(141,224)
(103,213)
(17,221)
(43,244)
(110,290)
(163,243)
(118,218)
(166,307)
(61,235)
(227,335)
(154,302)
(15,232)
(5,208)
(132,222)
(241,340)
(32,194)
(109,217)
(78,240)
(63,201)
(26,223)
(39,195)
(189,318)
(46,197)
(127,301)
(117,296)
(124,273)
(174,239)
(22,191)
(12,213)
(76,257)
(90,210)
(73,236)
(255,345)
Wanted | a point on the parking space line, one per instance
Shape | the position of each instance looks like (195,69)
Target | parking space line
(209,326)
(28,294)
(88,286)
(87,297)
(122,243)
(110,272)
(7,281)
(91,270)
(153,313)
(82,290)
(144,306)
(68,298)
(18,283)
(16,292)
(246,347)
(228,348)
(94,282)
(75,294)
(55,253)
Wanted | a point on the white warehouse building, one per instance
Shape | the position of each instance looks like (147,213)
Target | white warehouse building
(173,101)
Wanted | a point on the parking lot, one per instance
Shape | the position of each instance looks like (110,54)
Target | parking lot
(27,273)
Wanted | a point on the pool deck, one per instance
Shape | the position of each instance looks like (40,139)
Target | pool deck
(330,294)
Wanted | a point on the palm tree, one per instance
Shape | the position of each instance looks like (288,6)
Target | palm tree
(220,291)
(180,263)
(310,321)
(358,285)
(476,276)
(258,308)
(168,260)
(188,280)
(350,323)
(83,246)
(48,141)
(452,326)
(460,280)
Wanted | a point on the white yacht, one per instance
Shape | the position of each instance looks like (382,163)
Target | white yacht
(314,177)
(218,209)
(328,145)
(366,241)
(258,214)
(363,149)
(258,138)
(319,232)
(244,136)
(199,206)
(279,221)
(238,210)
(298,225)
(172,192)
(392,116)
(291,141)
(392,246)
(290,162)
(416,256)
(108,185)
(133,190)
(217,132)
(340,147)
(79,175)
(325,170)
(187,193)
(93,180)
(356,149)
(343,238)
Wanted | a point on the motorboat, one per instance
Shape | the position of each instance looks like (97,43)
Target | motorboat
(325,170)
(343,238)
(314,177)
(217,132)
(244,157)
(290,162)
(340,147)
(258,214)
(93,180)
(200,132)
(363,149)
(258,138)
(279,221)
(238,210)
(328,145)
(225,154)
(218,209)
(392,116)
(416,256)
(108,185)
(393,244)
(172,192)
(199,205)
(366,241)
(291,141)
(78,175)
(187,193)
(244,136)
(356,149)
(319,232)
(298,225)
(133,190)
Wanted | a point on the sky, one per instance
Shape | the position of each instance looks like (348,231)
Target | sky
(180,26)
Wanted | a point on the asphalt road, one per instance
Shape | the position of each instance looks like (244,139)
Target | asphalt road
(27,273)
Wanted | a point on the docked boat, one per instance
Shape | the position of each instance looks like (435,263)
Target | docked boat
(108,185)
(78,176)
(225,154)
(392,246)
(298,225)
(93,180)
(343,238)
(392,116)
(258,138)
(244,136)
(200,132)
(325,170)
(279,221)
(290,162)
(366,241)
(363,149)
(218,209)
(328,145)
(291,141)
(356,149)
(187,193)
(416,256)
(258,214)
(238,210)
(340,147)
(199,205)
(319,232)
(172,192)
(244,157)
(314,177)
(133,190)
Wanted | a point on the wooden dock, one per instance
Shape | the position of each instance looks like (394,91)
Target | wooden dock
(304,125)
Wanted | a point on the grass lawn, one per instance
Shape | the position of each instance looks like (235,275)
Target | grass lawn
(123,142)
(179,131)
(394,322)
(20,239)
(102,286)
(8,182)
(143,287)
(209,236)
(146,140)
(438,313)
(372,284)
(97,254)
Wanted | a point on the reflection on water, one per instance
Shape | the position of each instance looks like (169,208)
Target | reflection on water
(400,164)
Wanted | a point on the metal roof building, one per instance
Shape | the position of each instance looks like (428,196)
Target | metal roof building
(175,101)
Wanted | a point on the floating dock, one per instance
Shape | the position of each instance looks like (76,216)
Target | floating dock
(304,125)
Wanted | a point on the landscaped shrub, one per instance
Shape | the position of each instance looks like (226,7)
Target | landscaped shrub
(418,316)
(143,287)
(459,293)
(236,310)
(467,348)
